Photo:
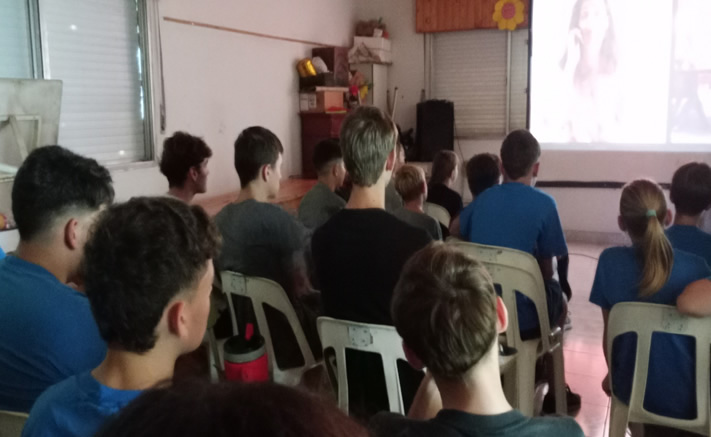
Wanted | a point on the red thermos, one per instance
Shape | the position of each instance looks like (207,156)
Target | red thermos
(246,360)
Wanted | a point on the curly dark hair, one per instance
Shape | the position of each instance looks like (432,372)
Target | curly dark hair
(53,181)
(140,255)
(181,152)
(230,409)
(255,147)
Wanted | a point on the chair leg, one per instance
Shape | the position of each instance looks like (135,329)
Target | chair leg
(526,379)
(619,415)
(561,400)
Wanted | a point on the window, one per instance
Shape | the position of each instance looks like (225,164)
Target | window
(98,48)
(470,68)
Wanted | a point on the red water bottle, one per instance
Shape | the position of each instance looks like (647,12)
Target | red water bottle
(246,360)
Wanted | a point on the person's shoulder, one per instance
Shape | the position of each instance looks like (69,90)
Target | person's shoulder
(554,425)
(541,196)
(62,393)
(617,254)
(386,424)
(689,261)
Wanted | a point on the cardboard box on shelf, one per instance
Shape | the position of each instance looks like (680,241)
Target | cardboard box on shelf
(322,99)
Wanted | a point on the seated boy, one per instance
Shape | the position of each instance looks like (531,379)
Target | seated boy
(184,163)
(148,272)
(393,200)
(410,183)
(359,253)
(445,169)
(446,310)
(321,202)
(261,239)
(483,171)
(691,195)
(519,216)
(47,332)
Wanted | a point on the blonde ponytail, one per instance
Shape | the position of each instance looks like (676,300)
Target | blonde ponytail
(643,209)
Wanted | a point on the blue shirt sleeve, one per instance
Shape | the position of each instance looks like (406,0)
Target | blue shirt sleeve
(551,240)
(601,285)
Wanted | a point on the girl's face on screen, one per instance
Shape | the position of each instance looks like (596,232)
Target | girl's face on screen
(593,23)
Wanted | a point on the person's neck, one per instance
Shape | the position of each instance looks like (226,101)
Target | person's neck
(183,193)
(480,393)
(687,220)
(253,191)
(123,370)
(525,180)
(415,205)
(47,256)
(367,197)
(329,182)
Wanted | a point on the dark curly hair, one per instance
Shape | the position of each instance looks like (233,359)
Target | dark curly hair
(181,152)
(53,181)
(140,255)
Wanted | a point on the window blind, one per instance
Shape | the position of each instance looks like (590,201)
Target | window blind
(93,47)
(470,70)
(15,42)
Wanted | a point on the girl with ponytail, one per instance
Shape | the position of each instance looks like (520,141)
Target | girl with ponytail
(649,271)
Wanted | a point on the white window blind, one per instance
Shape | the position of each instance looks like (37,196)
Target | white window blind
(15,42)
(93,47)
(470,70)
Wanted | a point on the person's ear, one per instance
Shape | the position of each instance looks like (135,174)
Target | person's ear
(71,234)
(392,157)
(265,172)
(423,188)
(193,173)
(502,316)
(668,218)
(621,224)
(176,319)
(412,357)
(536,167)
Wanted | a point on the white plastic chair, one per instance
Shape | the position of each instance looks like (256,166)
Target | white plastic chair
(644,319)
(438,213)
(262,291)
(11,423)
(515,270)
(383,340)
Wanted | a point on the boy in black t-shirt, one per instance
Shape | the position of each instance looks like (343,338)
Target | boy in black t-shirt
(447,312)
(360,251)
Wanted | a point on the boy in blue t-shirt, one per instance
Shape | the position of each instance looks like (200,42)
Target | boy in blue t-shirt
(148,276)
(691,195)
(47,332)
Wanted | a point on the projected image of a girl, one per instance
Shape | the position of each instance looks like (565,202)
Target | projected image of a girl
(590,67)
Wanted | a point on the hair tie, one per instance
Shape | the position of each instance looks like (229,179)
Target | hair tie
(651,213)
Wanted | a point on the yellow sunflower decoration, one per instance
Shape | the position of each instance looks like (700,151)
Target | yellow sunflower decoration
(508,14)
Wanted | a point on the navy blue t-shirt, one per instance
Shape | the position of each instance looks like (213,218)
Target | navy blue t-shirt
(691,239)
(670,383)
(76,407)
(47,333)
(520,217)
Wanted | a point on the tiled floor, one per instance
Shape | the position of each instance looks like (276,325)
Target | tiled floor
(584,361)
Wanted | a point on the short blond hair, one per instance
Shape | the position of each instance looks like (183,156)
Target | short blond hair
(408,181)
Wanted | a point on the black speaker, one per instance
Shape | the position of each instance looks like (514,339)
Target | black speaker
(435,128)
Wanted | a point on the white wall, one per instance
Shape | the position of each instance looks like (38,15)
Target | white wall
(218,83)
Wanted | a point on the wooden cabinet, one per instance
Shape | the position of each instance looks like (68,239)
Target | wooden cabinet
(451,15)
(315,128)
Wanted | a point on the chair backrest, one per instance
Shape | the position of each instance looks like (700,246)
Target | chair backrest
(513,270)
(645,319)
(260,292)
(438,213)
(383,340)
(11,423)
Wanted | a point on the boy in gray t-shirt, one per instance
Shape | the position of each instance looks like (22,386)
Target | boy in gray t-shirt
(321,202)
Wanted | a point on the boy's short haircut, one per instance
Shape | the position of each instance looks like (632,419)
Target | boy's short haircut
(444,308)
(483,171)
(141,254)
(181,152)
(444,163)
(255,147)
(519,152)
(325,153)
(408,182)
(53,181)
(368,135)
(691,188)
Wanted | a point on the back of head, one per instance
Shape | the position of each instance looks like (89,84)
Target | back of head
(519,153)
(52,182)
(181,152)
(368,135)
(643,210)
(326,153)
(483,171)
(409,181)
(691,188)
(142,254)
(255,147)
(444,308)
(230,409)
(443,165)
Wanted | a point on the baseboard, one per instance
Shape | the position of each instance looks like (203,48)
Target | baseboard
(600,238)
